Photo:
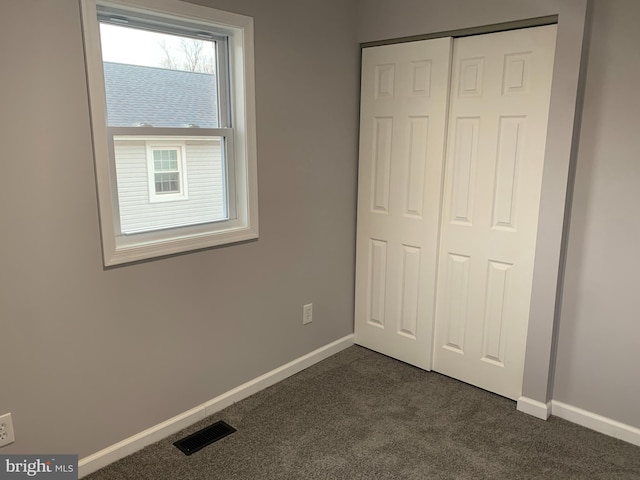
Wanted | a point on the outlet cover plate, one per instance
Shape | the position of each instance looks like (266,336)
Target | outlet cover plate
(7,435)
(307,313)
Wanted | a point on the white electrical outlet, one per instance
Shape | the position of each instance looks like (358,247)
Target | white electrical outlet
(6,430)
(307,313)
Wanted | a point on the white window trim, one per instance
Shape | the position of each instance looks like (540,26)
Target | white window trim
(183,193)
(118,248)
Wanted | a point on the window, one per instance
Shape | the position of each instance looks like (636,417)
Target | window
(166,173)
(173,123)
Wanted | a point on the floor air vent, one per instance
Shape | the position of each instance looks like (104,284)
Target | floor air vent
(204,437)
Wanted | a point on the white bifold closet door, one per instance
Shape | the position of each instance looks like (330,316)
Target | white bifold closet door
(496,118)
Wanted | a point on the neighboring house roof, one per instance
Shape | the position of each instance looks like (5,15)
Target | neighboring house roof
(159,97)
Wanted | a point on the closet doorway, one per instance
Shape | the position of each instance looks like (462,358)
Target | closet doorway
(452,145)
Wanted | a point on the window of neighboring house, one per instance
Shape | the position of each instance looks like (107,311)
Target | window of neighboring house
(173,121)
(166,173)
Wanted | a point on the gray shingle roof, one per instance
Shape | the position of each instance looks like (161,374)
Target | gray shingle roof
(159,97)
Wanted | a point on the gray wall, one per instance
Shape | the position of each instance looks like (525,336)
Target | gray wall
(598,355)
(88,356)
(382,19)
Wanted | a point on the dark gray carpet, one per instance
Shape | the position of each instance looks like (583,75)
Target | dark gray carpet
(361,415)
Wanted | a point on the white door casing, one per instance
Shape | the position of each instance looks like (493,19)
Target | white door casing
(402,136)
(499,105)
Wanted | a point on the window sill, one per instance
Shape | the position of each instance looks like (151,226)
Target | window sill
(133,248)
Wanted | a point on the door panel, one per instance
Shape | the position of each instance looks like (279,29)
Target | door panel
(495,152)
(402,137)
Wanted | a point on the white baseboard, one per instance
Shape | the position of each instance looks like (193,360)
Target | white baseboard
(596,422)
(151,435)
(533,407)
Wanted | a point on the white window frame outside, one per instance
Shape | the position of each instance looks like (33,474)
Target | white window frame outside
(183,189)
(239,137)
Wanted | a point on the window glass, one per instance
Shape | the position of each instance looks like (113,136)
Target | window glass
(167,175)
(158,85)
(155,79)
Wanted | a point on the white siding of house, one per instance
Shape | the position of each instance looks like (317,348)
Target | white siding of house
(204,172)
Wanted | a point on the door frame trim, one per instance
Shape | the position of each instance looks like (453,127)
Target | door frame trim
(466,32)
